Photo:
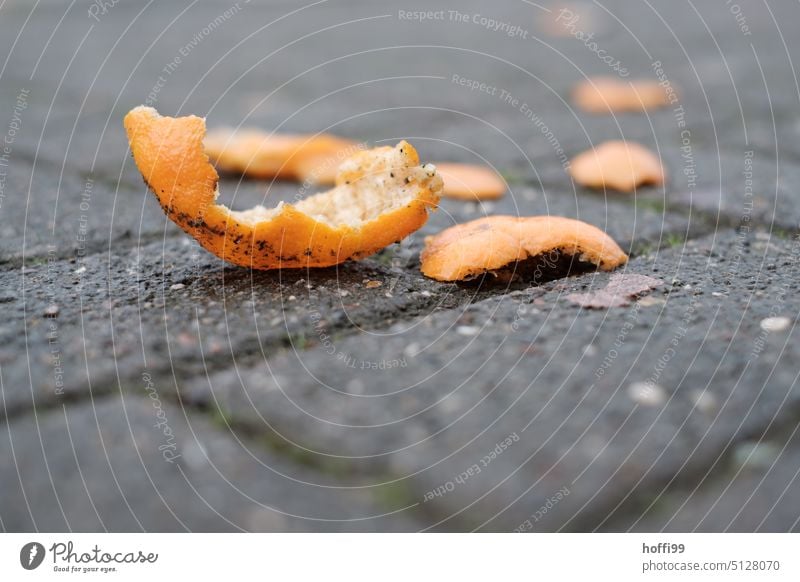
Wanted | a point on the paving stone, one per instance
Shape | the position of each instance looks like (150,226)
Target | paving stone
(172,308)
(430,398)
(124,298)
(142,464)
(230,85)
(410,384)
(63,215)
(743,188)
(758,490)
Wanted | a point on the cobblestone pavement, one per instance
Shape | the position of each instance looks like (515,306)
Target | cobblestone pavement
(147,386)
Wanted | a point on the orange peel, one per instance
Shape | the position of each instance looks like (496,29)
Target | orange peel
(315,159)
(381,196)
(255,153)
(620,165)
(496,244)
(611,95)
(469,182)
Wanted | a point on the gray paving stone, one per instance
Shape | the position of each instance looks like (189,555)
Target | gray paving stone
(437,394)
(231,86)
(758,490)
(151,296)
(411,384)
(142,464)
(172,308)
(50,213)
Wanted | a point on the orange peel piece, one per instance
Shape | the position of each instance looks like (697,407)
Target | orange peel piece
(620,165)
(611,95)
(315,159)
(255,153)
(469,182)
(496,243)
(381,196)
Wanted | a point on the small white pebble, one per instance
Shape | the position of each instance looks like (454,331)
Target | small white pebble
(704,401)
(411,350)
(292,298)
(80,270)
(425,293)
(467,330)
(450,404)
(51,311)
(194,454)
(177,287)
(775,323)
(647,394)
(649,301)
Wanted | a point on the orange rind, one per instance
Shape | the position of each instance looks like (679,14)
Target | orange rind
(381,196)
(255,153)
(611,95)
(619,165)
(497,244)
(315,158)
(469,182)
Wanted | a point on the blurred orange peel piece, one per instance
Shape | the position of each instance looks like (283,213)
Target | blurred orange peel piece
(619,165)
(380,197)
(255,153)
(611,95)
(496,244)
(470,182)
(315,158)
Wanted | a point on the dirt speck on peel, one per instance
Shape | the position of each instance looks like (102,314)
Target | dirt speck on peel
(619,291)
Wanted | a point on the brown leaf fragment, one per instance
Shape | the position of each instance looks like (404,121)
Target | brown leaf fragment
(619,291)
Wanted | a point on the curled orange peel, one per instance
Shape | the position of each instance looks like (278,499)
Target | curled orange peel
(381,196)
(497,243)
